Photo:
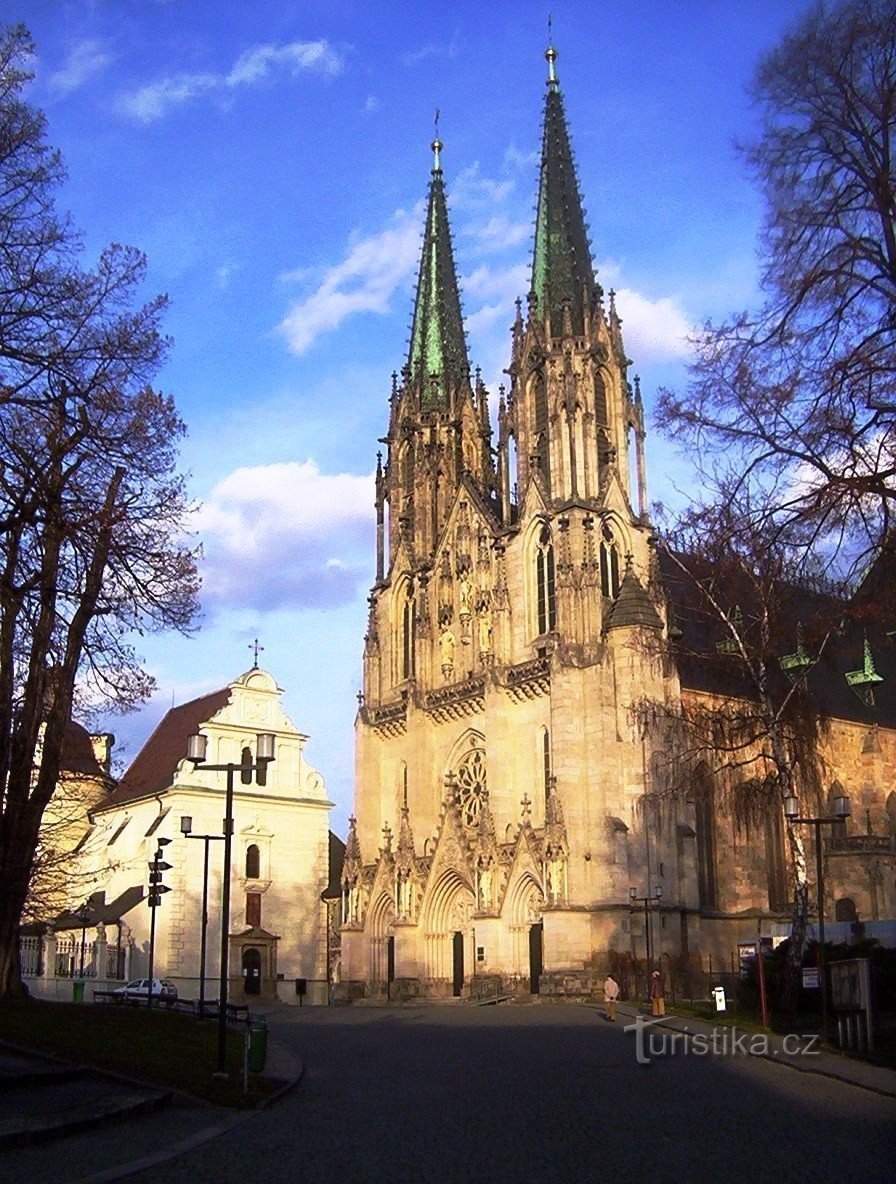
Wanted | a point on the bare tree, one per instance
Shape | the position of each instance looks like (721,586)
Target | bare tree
(92,510)
(801,394)
(754,641)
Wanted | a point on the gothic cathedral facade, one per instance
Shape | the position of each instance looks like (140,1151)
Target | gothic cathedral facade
(517,615)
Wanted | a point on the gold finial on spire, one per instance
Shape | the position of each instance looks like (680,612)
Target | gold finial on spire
(551,55)
(437,147)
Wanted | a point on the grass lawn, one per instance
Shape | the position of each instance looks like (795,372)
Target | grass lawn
(159,1046)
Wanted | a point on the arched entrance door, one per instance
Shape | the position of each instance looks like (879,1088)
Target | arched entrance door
(536,956)
(251,971)
(458,982)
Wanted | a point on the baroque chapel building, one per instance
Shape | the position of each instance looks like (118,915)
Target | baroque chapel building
(518,614)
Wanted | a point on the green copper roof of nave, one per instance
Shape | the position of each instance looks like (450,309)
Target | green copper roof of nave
(561,264)
(438,355)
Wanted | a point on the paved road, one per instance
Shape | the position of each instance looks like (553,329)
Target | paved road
(456,1095)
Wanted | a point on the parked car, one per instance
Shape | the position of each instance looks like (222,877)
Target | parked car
(162,989)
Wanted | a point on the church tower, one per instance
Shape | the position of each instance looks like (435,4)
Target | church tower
(514,625)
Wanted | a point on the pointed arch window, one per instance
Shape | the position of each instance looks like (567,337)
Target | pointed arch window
(546,600)
(705,809)
(609,563)
(407,634)
(253,862)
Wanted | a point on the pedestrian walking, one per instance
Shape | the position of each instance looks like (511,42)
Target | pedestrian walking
(611,994)
(657,999)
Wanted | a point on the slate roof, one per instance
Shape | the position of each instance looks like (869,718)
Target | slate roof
(697,635)
(632,607)
(153,767)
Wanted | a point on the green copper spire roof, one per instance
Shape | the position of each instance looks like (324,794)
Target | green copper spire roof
(561,266)
(438,356)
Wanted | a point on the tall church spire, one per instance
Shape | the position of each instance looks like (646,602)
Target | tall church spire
(562,271)
(437,362)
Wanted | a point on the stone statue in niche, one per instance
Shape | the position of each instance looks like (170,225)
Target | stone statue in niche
(485,630)
(447,642)
(466,597)
(485,887)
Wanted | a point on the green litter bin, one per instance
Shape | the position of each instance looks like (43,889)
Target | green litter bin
(258,1045)
(77,992)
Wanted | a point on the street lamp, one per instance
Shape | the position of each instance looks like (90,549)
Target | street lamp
(186,829)
(197,747)
(841,812)
(646,901)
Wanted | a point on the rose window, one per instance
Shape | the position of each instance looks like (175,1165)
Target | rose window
(471,787)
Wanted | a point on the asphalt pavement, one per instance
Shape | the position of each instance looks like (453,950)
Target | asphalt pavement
(515,1093)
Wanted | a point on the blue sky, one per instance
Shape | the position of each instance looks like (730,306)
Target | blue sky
(272,159)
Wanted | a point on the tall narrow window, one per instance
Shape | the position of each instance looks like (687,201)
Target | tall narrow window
(609,564)
(253,909)
(838,829)
(775,862)
(546,601)
(546,761)
(246,767)
(407,635)
(253,862)
(704,801)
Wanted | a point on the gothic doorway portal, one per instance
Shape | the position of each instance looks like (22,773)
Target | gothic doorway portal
(536,956)
(251,971)
(458,963)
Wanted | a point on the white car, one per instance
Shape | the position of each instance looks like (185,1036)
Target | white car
(162,989)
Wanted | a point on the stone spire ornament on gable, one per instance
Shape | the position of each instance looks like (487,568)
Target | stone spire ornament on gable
(563,283)
(437,361)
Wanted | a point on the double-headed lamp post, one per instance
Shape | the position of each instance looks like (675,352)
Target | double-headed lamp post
(646,901)
(197,747)
(186,829)
(841,813)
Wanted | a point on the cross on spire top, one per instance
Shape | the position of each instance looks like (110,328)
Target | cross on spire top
(256,650)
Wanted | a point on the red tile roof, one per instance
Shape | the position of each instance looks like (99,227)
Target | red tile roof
(153,767)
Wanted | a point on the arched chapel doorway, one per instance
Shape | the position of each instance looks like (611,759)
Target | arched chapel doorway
(251,971)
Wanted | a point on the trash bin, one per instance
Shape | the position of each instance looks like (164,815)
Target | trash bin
(258,1045)
(77,992)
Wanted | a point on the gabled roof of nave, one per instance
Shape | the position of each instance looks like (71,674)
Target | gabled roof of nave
(438,351)
(562,268)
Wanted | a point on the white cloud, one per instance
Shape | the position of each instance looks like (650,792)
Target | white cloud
(153,101)
(285,534)
(472,191)
(363,281)
(85,60)
(654,330)
(255,64)
(498,233)
(252,67)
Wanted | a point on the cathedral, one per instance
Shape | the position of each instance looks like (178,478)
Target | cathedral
(519,612)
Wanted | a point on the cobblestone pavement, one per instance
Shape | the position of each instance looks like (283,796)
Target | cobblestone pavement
(513,1094)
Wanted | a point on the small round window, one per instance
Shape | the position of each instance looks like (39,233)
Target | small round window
(471,786)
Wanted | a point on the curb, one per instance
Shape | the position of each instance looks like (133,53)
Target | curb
(156,1158)
(880,1091)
